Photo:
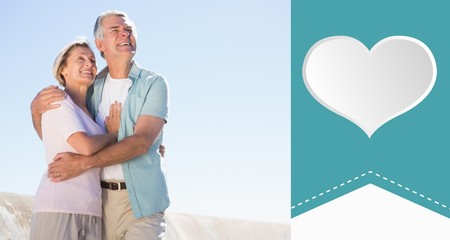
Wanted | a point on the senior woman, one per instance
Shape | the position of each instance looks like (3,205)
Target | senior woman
(72,209)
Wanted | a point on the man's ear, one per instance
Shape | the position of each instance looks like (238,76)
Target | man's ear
(99,44)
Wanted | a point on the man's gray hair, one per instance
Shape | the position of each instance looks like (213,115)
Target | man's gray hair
(98,28)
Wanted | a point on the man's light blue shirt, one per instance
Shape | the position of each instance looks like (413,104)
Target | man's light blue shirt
(145,175)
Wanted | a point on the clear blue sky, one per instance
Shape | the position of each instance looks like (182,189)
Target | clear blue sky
(228,67)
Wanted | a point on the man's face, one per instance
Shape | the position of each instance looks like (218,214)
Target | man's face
(118,38)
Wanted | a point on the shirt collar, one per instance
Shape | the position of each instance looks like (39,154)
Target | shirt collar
(135,71)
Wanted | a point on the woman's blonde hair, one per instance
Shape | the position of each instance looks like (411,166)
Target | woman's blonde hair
(61,59)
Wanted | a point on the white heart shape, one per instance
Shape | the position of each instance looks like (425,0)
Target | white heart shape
(369,87)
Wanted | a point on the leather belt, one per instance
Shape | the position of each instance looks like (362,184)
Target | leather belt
(113,185)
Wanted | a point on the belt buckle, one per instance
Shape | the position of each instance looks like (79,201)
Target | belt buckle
(119,187)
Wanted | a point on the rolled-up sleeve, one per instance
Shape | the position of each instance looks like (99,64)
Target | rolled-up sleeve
(156,102)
